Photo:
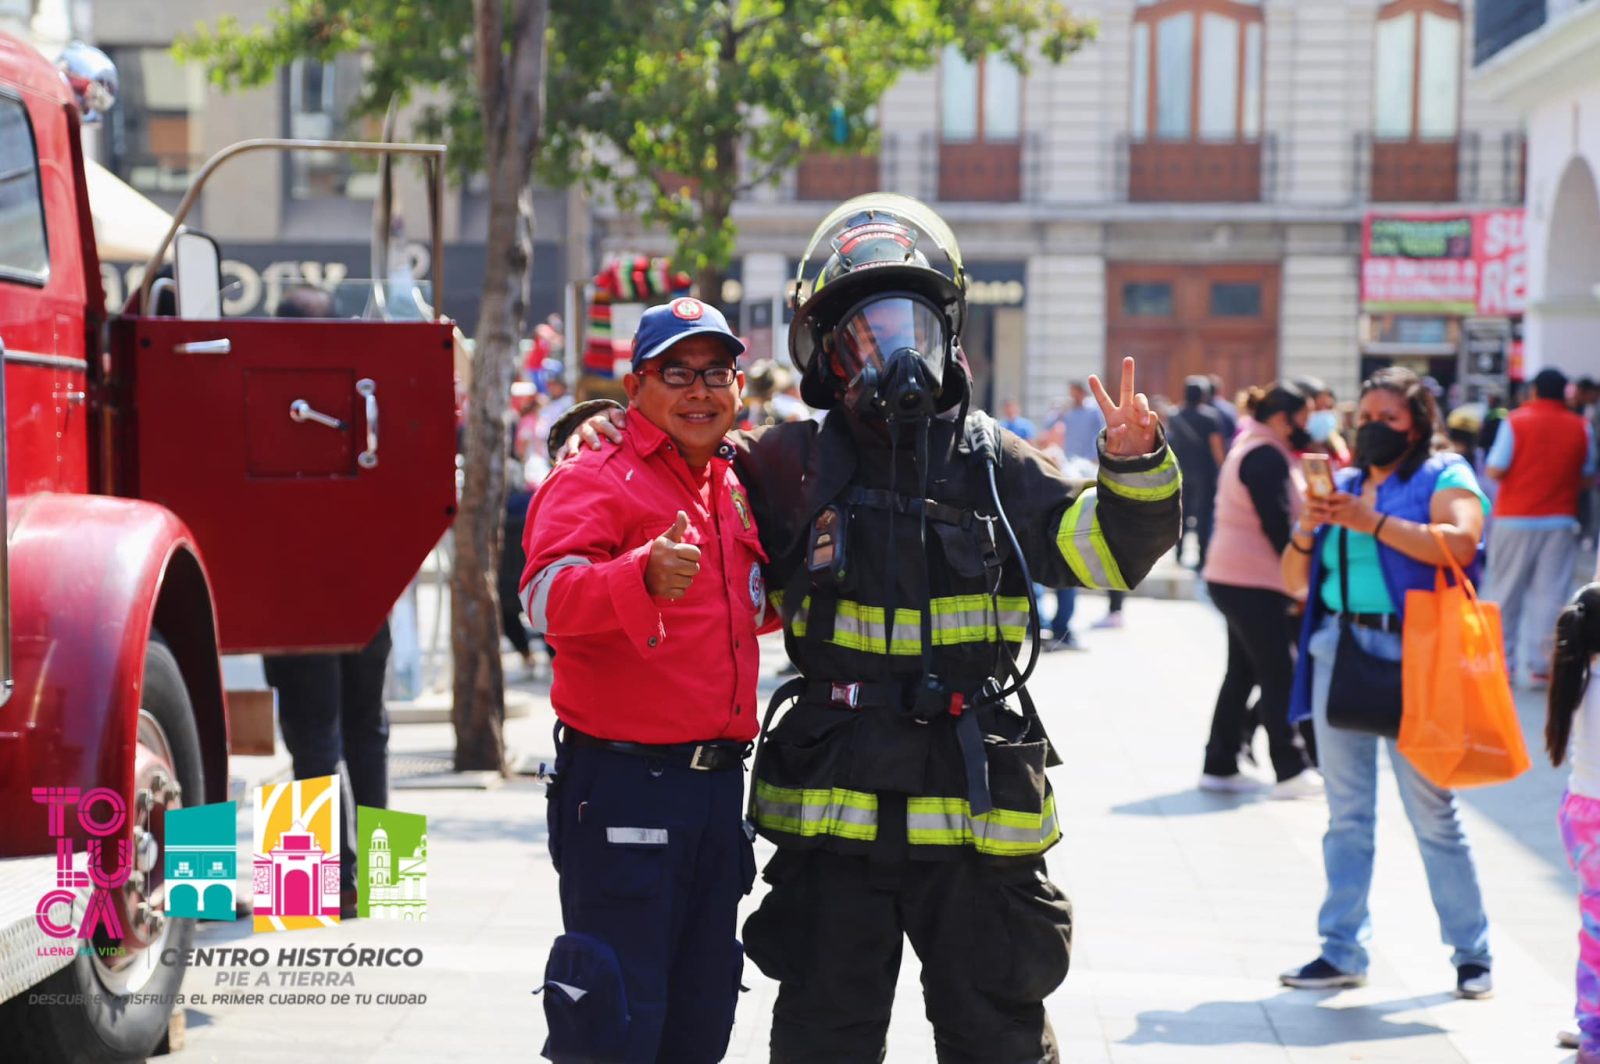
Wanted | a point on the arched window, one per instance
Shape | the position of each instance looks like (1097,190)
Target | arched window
(1197,70)
(1417,95)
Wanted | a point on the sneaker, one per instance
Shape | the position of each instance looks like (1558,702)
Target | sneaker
(1568,1038)
(1474,982)
(1110,620)
(1320,975)
(1233,783)
(1307,784)
(1066,642)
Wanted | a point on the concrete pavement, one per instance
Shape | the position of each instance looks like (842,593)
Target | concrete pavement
(1187,905)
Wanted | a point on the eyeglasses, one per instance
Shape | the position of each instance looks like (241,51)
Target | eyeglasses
(677,376)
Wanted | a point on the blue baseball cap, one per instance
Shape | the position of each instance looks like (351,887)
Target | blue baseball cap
(665,325)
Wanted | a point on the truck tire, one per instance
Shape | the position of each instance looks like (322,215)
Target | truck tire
(112,1026)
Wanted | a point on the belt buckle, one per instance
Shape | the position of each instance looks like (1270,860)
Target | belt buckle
(694,759)
(845,694)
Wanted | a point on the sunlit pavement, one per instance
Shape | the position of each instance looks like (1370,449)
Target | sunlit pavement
(1187,905)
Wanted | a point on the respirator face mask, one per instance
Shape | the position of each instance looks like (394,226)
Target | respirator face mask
(892,348)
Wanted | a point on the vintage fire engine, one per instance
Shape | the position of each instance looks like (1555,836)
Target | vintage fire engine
(178,485)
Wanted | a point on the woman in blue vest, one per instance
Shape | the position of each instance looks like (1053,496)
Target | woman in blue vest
(1403,487)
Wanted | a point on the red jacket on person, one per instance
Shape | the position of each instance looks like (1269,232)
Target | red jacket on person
(628,666)
(1551,446)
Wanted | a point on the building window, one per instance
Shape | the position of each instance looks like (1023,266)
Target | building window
(980,101)
(154,132)
(1235,299)
(1147,299)
(1418,90)
(1197,70)
(980,126)
(320,98)
(24,251)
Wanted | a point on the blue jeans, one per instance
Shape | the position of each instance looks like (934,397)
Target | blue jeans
(1349,763)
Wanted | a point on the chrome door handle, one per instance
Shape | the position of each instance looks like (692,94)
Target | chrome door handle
(204,347)
(368,390)
(300,410)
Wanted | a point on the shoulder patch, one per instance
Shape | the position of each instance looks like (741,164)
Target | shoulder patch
(726,451)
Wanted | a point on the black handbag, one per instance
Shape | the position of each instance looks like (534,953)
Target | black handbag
(1365,693)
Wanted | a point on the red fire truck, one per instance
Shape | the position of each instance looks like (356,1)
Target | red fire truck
(177,486)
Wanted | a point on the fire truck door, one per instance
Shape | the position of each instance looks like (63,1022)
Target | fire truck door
(314,460)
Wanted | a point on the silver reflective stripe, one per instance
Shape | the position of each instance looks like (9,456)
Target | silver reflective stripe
(1082,542)
(1143,480)
(956,826)
(536,596)
(636,836)
(802,818)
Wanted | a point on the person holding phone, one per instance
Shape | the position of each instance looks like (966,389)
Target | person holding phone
(1354,554)
(1258,496)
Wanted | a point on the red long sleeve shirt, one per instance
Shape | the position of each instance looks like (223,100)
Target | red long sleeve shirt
(628,666)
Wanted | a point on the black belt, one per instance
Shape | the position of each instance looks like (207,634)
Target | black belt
(702,757)
(1383,622)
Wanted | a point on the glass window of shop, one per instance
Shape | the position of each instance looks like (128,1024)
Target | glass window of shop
(154,132)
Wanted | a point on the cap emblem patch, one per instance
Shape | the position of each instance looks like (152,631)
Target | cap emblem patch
(687,309)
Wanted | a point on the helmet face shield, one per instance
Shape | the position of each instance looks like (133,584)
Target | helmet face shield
(875,330)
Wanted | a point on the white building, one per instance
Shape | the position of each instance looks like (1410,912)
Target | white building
(1543,61)
(1187,189)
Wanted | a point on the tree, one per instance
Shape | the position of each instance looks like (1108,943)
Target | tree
(673,108)
(490,59)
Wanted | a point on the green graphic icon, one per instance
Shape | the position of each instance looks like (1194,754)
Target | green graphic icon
(201,862)
(393,864)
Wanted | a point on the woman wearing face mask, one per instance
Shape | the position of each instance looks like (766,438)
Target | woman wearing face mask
(1323,424)
(1385,510)
(1258,497)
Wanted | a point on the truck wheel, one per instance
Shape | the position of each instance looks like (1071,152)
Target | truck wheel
(126,999)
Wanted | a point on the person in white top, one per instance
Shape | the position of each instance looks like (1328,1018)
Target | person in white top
(1572,733)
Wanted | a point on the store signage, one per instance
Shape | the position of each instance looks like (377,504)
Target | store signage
(1466,263)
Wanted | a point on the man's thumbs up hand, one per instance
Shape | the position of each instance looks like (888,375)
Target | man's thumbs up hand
(673,563)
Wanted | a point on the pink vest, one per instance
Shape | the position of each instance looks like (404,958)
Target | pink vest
(1240,554)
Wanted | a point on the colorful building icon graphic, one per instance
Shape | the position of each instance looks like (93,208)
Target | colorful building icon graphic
(201,862)
(394,864)
(296,859)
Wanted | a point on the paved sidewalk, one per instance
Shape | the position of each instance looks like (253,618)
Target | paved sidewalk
(1187,905)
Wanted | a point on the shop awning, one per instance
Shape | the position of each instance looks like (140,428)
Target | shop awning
(127,226)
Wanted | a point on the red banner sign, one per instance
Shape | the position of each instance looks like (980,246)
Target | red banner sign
(1468,263)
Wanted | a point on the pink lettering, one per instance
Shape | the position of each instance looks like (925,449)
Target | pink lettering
(112,825)
(46,922)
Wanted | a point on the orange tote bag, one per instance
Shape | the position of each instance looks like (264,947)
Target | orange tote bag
(1460,726)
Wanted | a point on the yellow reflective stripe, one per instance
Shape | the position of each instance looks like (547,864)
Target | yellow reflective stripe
(957,620)
(1001,832)
(810,812)
(1152,485)
(1082,543)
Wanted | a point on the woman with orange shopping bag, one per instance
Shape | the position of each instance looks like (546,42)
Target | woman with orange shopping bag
(1355,554)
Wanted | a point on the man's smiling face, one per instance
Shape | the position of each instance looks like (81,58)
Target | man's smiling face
(698,416)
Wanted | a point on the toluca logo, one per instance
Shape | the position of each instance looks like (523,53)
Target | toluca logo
(106,827)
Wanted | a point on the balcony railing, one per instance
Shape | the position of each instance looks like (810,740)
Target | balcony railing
(1159,171)
(980,171)
(1455,170)
(832,176)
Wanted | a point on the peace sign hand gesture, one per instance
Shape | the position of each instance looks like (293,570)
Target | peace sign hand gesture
(1130,425)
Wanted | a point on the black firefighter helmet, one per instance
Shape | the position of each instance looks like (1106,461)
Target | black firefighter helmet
(892,283)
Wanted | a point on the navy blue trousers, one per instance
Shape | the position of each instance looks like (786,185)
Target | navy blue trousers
(653,860)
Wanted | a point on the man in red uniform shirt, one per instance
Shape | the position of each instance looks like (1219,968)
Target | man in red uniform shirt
(644,572)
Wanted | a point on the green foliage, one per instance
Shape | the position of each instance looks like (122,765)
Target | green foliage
(674,107)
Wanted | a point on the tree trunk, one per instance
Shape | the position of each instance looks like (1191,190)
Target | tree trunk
(512,89)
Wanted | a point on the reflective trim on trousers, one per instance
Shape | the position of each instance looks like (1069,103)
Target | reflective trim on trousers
(1002,832)
(1083,545)
(811,812)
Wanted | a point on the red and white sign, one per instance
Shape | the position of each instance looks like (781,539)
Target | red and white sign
(1446,263)
(1500,248)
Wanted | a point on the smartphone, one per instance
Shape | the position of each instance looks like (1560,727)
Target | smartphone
(1319,473)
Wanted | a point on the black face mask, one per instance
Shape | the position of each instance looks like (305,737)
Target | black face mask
(1299,439)
(1379,445)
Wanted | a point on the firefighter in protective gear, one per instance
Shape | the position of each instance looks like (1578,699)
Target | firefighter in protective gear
(905,784)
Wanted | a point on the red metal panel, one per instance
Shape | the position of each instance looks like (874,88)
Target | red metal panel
(85,574)
(300,557)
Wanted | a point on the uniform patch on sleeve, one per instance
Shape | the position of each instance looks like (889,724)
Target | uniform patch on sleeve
(758,587)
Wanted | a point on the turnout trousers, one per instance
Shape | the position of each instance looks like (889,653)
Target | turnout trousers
(994,941)
(653,860)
